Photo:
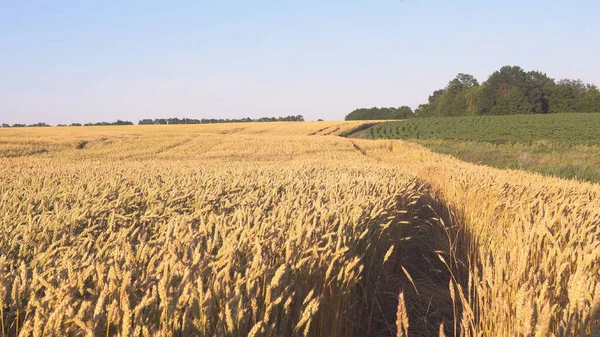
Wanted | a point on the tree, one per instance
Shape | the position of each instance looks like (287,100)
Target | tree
(376,113)
(513,103)
(404,112)
(501,84)
(175,120)
(471,97)
(590,101)
(146,122)
(453,102)
(120,122)
(567,96)
(538,89)
(509,90)
(430,109)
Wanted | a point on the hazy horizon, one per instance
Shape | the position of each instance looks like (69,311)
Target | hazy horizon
(63,62)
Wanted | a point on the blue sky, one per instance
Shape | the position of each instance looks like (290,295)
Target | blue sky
(87,61)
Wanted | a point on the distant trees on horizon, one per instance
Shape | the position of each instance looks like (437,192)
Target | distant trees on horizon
(375,113)
(510,90)
(41,124)
(17,125)
(295,118)
(118,122)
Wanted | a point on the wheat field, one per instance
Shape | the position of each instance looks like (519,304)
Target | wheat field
(284,229)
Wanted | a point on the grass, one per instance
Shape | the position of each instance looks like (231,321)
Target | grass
(561,145)
(578,162)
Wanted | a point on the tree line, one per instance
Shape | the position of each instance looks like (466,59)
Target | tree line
(41,124)
(375,113)
(17,125)
(296,118)
(510,90)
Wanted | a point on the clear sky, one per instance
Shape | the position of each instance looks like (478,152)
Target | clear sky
(89,61)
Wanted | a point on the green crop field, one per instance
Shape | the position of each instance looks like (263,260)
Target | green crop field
(562,145)
(565,128)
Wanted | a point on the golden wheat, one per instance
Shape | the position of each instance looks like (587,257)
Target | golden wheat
(275,230)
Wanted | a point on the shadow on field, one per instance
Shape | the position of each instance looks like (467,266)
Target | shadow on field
(423,267)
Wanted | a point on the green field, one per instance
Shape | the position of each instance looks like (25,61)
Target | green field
(564,128)
(562,145)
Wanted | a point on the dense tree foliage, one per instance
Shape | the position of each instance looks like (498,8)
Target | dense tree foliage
(118,122)
(41,124)
(297,118)
(508,91)
(375,113)
(575,96)
(511,90)
(4,125)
